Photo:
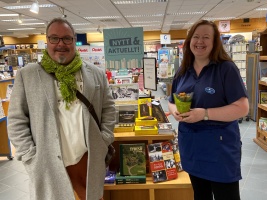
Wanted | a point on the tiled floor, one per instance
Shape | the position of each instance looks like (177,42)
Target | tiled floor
(253,186)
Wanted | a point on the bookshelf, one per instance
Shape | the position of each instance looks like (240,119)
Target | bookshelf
(179,188)
(5,149)
(261,136)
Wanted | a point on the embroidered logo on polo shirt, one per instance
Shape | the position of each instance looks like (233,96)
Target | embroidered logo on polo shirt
(209,90)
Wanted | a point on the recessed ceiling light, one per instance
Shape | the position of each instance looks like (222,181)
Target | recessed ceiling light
(136,25)
(20,29)
(25,24)
(258,9)
(140,1)
(28,6)
(144,22)
(189,13)
(148,15)
(13,20)
(103,17)
(81,24)
(219,18)
(8,15)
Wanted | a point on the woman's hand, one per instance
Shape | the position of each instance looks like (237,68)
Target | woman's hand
(194,115)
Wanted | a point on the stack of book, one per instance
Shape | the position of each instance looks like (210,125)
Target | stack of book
(132,164)
(162,162)
(165,128)
(145,124)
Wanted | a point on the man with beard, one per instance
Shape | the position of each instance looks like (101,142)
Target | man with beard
(56,138)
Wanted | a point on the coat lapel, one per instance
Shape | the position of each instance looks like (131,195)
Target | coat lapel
(49,88)
(88,82)
(88,92)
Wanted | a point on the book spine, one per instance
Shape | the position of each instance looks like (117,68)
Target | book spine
(130,180)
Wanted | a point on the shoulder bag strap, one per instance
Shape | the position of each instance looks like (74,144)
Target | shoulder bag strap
(86,102)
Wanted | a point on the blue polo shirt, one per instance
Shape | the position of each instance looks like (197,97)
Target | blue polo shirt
(211,149)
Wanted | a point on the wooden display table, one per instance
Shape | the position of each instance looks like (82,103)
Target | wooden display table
(179,189)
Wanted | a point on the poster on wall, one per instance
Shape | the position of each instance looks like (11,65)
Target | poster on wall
(124,48)
(92,54)
(150,73)
(224,26)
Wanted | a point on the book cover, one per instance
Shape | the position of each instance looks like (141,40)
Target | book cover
(263,96)
(126,116)
(144,107)
(130,179)
(162,163)
(163,70)
(159,113)
(146,130)
(263,123)
(9,91)
(165,128)
(132,159)
(176,153)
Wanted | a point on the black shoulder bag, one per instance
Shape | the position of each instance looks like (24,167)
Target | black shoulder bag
(111,150)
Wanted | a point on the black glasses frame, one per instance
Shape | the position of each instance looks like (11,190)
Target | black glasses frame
(63,40)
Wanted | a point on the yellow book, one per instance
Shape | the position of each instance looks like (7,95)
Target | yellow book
(146,130)
(145,122)
(144,107)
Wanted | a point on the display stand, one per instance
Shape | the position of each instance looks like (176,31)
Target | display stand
(179,188)
(5,148)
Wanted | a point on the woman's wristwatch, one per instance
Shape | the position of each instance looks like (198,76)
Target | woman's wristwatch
(206,117)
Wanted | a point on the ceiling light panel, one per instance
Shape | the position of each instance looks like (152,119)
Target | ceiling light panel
(31,24)
(140,1)
(13,20)
(145,15)
(20,29)
(8,15)
(28,6)
(103,17)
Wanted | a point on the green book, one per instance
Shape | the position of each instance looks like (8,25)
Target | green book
(130,179)
(132,159)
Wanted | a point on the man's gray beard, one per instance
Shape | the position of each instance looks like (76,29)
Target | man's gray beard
(61,59)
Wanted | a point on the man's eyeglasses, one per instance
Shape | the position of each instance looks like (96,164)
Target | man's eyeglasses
(56,40)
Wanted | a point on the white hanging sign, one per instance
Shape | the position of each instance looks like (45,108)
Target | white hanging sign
(165,39)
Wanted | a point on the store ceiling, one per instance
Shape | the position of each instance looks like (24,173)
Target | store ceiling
(125,15)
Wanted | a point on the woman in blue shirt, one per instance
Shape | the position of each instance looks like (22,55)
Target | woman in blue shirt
(209,136)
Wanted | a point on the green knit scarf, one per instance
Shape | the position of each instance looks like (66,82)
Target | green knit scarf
(65,74)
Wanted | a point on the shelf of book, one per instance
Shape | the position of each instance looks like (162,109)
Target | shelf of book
(261,139)
(261,136)
(180,188)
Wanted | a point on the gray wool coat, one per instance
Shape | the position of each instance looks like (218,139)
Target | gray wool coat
(33,129)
